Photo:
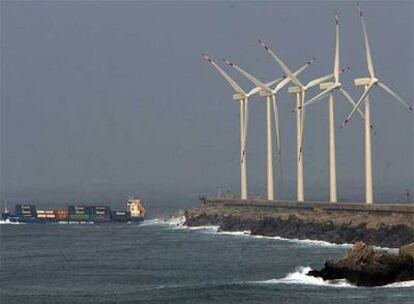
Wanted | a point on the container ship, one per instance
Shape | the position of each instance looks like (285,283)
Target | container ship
(76,214)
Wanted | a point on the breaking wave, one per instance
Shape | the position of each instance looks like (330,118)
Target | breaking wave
(172,221)
(278,238)
(304,242)
(399,284)
(300,277)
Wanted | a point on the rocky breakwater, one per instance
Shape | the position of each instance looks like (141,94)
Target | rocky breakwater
(363,266)
(380,225)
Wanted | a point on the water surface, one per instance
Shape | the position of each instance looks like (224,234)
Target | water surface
(162,263)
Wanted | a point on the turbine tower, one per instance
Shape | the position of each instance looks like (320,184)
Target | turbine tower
(243,97)
(368,83)
(328,89)
(299,89)
(268,92)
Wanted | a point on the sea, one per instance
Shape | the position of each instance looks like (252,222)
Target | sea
(163,261)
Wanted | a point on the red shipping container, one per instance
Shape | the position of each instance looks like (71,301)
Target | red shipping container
(61,214)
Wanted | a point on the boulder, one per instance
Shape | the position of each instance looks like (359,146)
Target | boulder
(407,250)
(363,266)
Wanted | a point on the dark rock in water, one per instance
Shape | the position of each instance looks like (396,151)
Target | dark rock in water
(407,250)
(363,266)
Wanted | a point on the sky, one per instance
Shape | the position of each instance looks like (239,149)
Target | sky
(100,99)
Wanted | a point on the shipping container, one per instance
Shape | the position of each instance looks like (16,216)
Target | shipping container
(120,216)
(62,213)
(25,210)
(99,210)
(44,212)
(79,217)
(96,218)
(78,210)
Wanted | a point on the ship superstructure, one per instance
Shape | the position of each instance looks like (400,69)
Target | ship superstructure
(136,209)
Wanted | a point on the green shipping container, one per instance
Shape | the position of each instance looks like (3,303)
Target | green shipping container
(79,217)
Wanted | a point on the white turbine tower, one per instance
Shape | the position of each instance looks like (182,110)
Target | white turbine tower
(368,83)
(328,89)
(268,92)
(243,98)
(300,90)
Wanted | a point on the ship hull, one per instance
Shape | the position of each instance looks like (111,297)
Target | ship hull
(136,219)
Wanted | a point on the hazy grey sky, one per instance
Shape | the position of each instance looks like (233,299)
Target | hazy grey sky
(101,98)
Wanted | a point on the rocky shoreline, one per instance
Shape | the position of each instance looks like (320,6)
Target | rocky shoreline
(378,227)
(363,266)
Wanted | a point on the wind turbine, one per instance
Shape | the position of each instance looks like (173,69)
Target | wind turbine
(328,89)
(368,83)
(243,98)
(268,92)
(299,89)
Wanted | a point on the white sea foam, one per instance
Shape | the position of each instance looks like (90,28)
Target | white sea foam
(172,221)
(3,222)
(236,233)
(211,228)
(300,277)
(399,284)
(176,221)
(151,222)
(305,242)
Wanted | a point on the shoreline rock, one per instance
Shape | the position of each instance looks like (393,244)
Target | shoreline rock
(363,266)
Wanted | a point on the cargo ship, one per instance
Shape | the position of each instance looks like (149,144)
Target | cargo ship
(76,214)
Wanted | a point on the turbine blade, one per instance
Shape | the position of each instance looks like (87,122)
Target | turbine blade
(234,85)
(284,67)
(317,81)
(253,79)
(278,140)
(277,123)
(361,99)
(320,96)
(273,82)
(336,66)
(351,101)
(392,93)
(367,47)
(286,80)
(268,84)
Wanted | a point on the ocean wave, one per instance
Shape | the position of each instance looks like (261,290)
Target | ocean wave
(302,242)
(300,277)
(3,222)
(171,221)
(399,285)
(236,233)
(151,222)
(305,242)
(210,228)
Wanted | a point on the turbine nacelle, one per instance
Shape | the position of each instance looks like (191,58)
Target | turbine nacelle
(238,97)
(327,85)
(365,81)
(265,93)
(294,90)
